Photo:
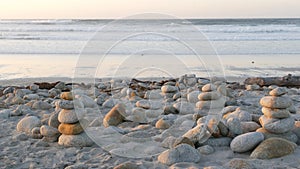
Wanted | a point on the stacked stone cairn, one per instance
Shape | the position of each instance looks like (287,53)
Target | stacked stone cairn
(72,122)
(277,121)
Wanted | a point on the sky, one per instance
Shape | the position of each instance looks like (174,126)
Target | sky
(101,9)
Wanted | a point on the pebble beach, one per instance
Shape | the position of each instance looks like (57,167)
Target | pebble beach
(184,122)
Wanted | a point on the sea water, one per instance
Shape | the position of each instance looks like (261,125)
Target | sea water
(227,47)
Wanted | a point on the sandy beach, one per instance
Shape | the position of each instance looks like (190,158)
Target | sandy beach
(151,122)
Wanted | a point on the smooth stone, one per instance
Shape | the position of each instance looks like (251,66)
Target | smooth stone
(70,116)
(53,120)
(223,90)
(213,104)
(153,95)
(69,105)
(87,101)
(197,134)
(242,115)
(229,109)
(67,95)
(163,124)
(246,142)
(168,142)
(17,100)
(249,126)
(279,91)
(8,90)
(169,89)
(277,126)
(184,107)
(115,116)
(290,136)
(184,165)
(28,123)
(81,140)
(206,150)
(218,142)
(41,105)
(292,109)
(181,153)
(223,129)
(35,133)
(31,97)
(34,87)
(273,148)
(49,131)
(170,110)
(192,97)
(274,102)
(127,165)
(206,96)
(138,115)
(234,126)
(73,129)
(183,140)
(276,113)
(209,88)
(252,87)
(238,163)
(296,131)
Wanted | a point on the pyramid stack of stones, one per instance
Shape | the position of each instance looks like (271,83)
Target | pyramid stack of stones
(276,121)
(210,99)
(72,122)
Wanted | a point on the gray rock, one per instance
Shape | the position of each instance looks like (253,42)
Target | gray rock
(71,116)
(206,96)
(28,123)
(81,140)
(209,88)
(193,97)
(181,153)
(246,142)
(53,120)
(279,91)
(273,148)
(277,126)
(249,126)
(109,103)
(239,164)
(34,87)
(41,105)
(290,136)
(242,115)
(8,90)
(115,116)
(169,89)
(234,126)
(184,107)
(218,142)
(49,131)
(5,114)
(31,97)
(170,110)
(206,150)
(274,102)
(276,113)
(87,101)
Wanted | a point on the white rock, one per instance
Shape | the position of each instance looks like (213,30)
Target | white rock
(81,140)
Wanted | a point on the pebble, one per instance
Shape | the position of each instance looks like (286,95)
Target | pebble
(115,116)
(170,110)
(238,163)
(279,91)
(206,96)
(276,113)
(273,148)
(274,102)
(206,150)
(252,87)
(34,87)
(81,140)
(242,115)
(234,126)
(169,89)
(66,104)
(249,126)
(49,131)
(209,88)
(28,123)
(53,120)
(183,140)
(212,104)
(73,129)
(181,153)
(184,107)
(70,116)
(192,97)
(67,95)
(218,142)
(127,165)
(246,142)
(87,101)
(277,126)
(163,124)
(290,136)
(41,105)
(31,97)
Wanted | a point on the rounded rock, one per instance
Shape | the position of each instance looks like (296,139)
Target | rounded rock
(70,116)
(209,88)
(72,129)
(81,140)
(276,102)
(115,116)
(206,96)
(48,131)
(246,142)
(28,123)
(169,89)
(276,113)
(67,95)
(277,126)
(279,91)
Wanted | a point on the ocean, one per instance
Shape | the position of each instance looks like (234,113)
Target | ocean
(143,48)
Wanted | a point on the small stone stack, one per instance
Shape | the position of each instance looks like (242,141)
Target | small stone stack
(72,122)
(210,98)
(276,121)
